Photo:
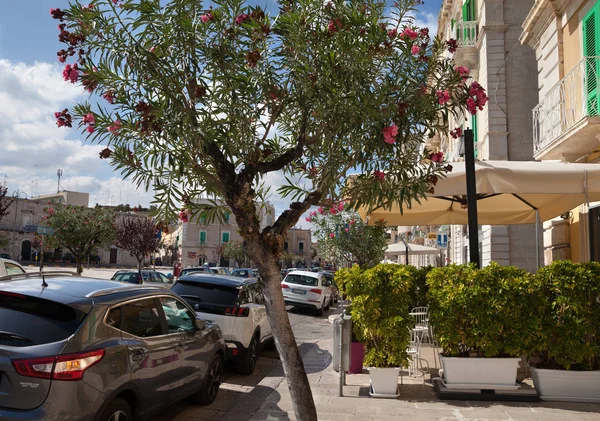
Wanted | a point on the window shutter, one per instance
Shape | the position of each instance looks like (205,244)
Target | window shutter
(202,237)
(225,237)
(474,125)
(590,51)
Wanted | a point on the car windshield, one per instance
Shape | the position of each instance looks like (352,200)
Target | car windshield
(130,277)
(27,321)
(301,280)
(242,273)
(204,292)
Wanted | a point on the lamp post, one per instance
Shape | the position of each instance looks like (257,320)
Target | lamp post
(471,197)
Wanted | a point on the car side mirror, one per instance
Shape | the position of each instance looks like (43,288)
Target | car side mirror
(200,324)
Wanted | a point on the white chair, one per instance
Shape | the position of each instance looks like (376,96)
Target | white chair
(421,316)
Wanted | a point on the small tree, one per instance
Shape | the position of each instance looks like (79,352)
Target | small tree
(82,231)
(288,258)
(139,237)
(235,250)
(5,201)
(342,237)
(208,103)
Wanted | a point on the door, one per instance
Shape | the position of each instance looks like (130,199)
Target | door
(113,256)
(191,351)
(26,250)
(258,311)
(150,350)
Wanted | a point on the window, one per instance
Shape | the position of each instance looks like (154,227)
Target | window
(468,11)
(12,269)
(179,317)
(204,292)
(301,246)
(225,237)
(202,237)
(591,49)
(226,217)
(113,318)
(301,280)
(285,246)
(31,321)
(141,318)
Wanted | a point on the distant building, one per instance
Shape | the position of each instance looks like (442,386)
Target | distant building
(66,197)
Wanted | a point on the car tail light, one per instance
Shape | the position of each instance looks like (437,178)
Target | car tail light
(284,286)
(237,311)
(62,367)
(316,291)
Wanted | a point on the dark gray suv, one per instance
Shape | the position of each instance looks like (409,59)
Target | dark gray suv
(74,348)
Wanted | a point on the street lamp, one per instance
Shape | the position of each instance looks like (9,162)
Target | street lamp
(468,150)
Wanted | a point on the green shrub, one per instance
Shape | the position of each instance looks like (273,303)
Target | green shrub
(489,312)
(571,326)
(380,306)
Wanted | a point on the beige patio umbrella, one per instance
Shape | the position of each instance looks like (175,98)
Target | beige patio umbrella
(508,192)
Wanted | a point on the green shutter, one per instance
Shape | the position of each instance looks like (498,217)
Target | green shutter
(474,125)
(227,217)
(202,237)
(225,237)
(591,46)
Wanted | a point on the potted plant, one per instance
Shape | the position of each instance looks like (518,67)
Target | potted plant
(380,300)
(566,364)
(484,320)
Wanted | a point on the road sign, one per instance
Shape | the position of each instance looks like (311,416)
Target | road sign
(431,236)
(442,240)
(30,228)
(45,230)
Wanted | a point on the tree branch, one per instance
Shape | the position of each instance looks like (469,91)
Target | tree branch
(289,217)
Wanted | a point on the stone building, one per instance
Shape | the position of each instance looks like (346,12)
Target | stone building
(488,33)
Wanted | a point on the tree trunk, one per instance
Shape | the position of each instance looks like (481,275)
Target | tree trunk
(293,366)
(79,261)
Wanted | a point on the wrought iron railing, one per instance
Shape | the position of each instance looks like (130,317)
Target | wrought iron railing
(466,33)
(572,99)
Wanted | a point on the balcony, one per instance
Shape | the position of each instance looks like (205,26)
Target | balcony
(565,122)
(466,33)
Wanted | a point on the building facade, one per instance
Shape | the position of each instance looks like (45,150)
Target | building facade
(565,35)
(487,32)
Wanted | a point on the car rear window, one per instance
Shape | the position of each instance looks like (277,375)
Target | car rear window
(129,277)
(206,293)
(28,321)
(302,280)
(192,270)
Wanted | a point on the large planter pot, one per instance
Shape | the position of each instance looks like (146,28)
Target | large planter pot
(566,385)
(480,373)
(357,357)
(384,382)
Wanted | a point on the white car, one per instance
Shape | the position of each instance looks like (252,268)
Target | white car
(10,267)
(237,306)
(307,289)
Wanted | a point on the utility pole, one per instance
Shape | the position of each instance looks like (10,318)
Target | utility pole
(471,198)
(59,174)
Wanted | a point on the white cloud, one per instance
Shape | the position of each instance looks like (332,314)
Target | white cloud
(30,142)
(427,20)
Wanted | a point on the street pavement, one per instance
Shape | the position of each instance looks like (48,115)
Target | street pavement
(264,395)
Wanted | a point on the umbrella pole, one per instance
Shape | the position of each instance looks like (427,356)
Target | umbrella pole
(537,238)
(471,198)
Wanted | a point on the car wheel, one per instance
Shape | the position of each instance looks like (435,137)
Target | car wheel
(248,361)
(118,410)
(210,387)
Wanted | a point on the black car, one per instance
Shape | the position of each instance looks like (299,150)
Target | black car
(83,349)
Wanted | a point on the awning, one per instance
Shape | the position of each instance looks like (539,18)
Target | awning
(508,192)
(413,249)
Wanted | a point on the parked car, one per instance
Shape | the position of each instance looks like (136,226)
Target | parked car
(335,292)
(4,256)
(220,270)
(237,306)
(307,289)
(243,273)
(101,350)
(10,267)
(132,276)
(204,269)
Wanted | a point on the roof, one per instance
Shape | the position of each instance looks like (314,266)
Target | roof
(213,278)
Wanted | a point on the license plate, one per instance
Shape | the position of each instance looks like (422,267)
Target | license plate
(299,291)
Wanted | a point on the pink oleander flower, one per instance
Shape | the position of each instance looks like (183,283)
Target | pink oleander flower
(415,50)
(462,70)
(331,235)
(71,73)
(456,133)
(437,157)
(332,211)
(409,33)
(109,96)
(471,106)
(379,176)
(341,206)
(313,214)
(452,45)
(88,119)
(241,18)
(392,33)
(115,127)
(442,96)
(352,222)
(207,17)
(90,129)
(389,134)
(347,230)
(448,168)
(321,211)
(183,216)
(334,25)
(308,219)
(424,32)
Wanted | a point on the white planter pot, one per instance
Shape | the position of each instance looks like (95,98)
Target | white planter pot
(564,385)
(384,382)
(480,373)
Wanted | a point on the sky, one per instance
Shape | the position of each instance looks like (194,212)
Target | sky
(32,148)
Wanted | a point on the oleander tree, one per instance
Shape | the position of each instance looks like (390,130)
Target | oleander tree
(197,101)
(82,231)
(234,250)
(139,236)
(343,238)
